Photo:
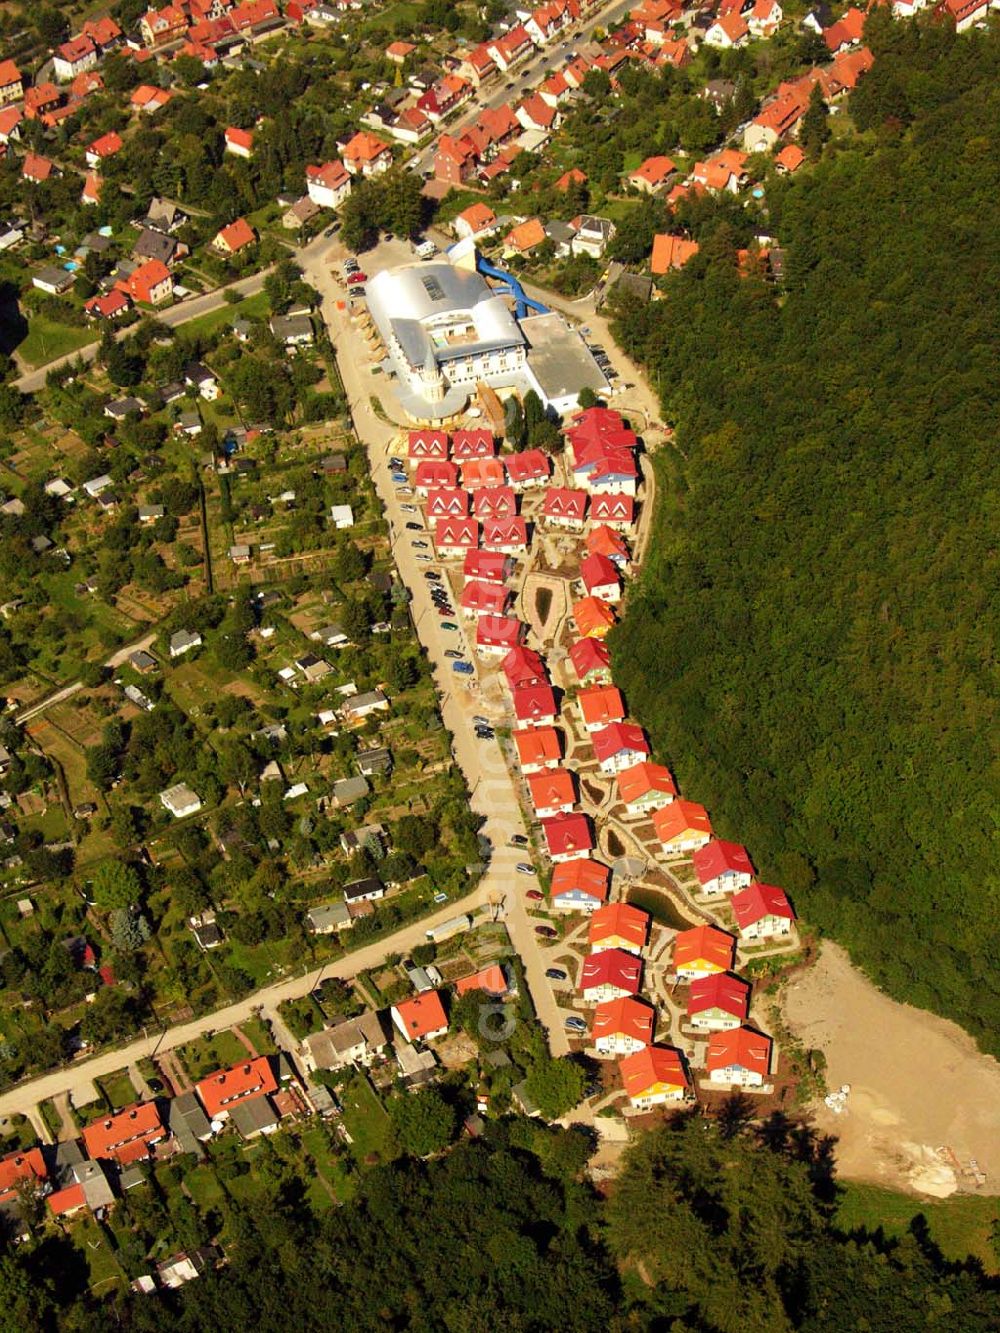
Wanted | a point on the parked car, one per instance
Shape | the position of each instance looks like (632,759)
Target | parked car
(454,654)
(355,278)
(399,478)
(575,1024)
(518,840)
(414,527)
(555,974)
(546,931)
(408,509)
(432,575)
(523,868)
(534,896)
(420,546)
(440,897)
(421,556)
(396,462)
(485,733)
(452,628)
(443,609)
(463,668)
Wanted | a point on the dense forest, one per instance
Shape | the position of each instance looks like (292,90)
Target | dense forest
(814,641)
(712,1226)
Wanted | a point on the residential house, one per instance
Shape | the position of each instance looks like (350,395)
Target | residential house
(150,283)
(740,1058)
(161,27)
(567,837)
(592,235)
(534,705)
(717,1002)
(496,635)
(454,536)
(552,792)
(614,511)
(421,1018)
(184,641)
(762,912)
(565,508)
(292,330)
(328,185)
(10,123)
(368,890)
(592,617)
(483,599)
(619,746)
(722,867)
(52,280)
(149,99)
(490,566)
(645,787)
(482,471)
(187,1122)
(538,749)
(366,155)
(849,29)
(764,18)
(728,31)
(682,827)
(670,252)
(11,83)
(20,1168)
(653,1076)
(433,474)
(703,951)
(180,801)
(234,238)
(127,1137)
(153,244)
(508,535)
(398,52)
(528,470)
(475,221)
(510,49)
(524,667)
(360,706)
(41,100)
(239,142)
(610,975)
(789,159)
(581,885)
(600,706)
(354,1041)
(601,578)
(524,238)
(651,176)
(470,444)
(37,169)
(491,980)
(221,1091)
(74,57)
(622,1026)
(107,307)
(447,502)
(724,171)
(427,445)
(591,661)
(618,926)
(328,918)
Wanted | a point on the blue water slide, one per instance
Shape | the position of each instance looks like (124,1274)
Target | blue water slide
(509,284)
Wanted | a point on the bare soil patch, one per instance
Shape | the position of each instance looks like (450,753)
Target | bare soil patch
(924,1100)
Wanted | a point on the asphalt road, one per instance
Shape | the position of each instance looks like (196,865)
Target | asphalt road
(176,315)
(526,76)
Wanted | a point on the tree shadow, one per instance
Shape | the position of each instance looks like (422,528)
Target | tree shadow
(13,325)
(799,1141)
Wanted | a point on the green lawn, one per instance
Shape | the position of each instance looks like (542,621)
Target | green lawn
(47,340)
(203,1185)
(92,1243)
(367,1122)
(118,1089)
(252,307)
(219,1051)
(960,1226)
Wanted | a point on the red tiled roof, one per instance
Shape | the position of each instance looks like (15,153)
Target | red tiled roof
(125,1136)
(537,745)
(497,631)
(643,1070)
(718,857)
(563,502)
(671,252)
(642,778)
(601,704)
(720,991)
(582,875)
(612,967)
(18,1166)
(654,171)
(597,572)
(759,900)
(618,921)
(567,833)
(617,737)
(422,1014)
(625,1017)
(679,817)
(704,944)
(532,703)
(491,979)
(254,1078)
(66,1200)
(739,1046)
(523,666)
(589,655)
(237,235)
(552,788)
(241,138)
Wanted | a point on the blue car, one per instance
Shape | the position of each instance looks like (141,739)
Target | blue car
(399,478)
(463,668)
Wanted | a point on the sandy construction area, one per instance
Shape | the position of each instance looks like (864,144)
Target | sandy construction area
(923,1099)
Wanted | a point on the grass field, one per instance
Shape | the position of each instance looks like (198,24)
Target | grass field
(118,1089)
(201,1058)
(366,1121)
(252,307)
(47,340)
(960,1226)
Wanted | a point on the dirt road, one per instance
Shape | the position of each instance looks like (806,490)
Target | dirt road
(918,1083)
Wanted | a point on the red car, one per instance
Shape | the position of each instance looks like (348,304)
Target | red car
(535,896)
(355,278)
